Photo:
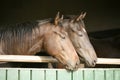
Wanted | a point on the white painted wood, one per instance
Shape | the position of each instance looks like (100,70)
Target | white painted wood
(47,59)
(24,58)
(114,61)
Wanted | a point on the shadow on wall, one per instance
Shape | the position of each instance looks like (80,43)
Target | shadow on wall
(101,14)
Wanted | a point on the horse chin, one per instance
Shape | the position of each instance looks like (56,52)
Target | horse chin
(70,68)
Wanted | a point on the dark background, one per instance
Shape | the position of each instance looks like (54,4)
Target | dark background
(101,14)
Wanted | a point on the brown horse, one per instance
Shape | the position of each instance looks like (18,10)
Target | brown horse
(31,37)
(76,30)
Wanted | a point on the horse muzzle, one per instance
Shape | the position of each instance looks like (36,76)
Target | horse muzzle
(72,66)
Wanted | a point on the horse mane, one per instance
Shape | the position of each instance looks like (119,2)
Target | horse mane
(9,34)
(21,28)
(26,26)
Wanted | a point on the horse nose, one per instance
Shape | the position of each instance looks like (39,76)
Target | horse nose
(72,66)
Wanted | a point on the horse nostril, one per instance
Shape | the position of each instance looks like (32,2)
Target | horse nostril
(93,64)
(95,61)
(77,65)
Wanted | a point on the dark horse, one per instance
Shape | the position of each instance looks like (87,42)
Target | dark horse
(31,37)
(75,27)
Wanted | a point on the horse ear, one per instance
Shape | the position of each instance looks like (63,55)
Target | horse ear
(62,17)
(57,18)
(82,16)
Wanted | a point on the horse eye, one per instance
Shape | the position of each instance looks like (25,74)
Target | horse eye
(80,33)
(60,34)
(73,30)
(63,37)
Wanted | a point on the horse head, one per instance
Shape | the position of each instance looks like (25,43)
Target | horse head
(78,35)
(58,44)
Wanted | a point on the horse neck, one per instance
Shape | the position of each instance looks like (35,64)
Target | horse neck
(39,34)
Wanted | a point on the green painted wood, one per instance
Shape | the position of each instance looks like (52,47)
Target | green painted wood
(38,74)
(2,74)
(78,75)
(109,74)
(50,74)
(117,74)
(88,75)
(64,75)
(99,74)
(59,74)
(12,74)
(25,74)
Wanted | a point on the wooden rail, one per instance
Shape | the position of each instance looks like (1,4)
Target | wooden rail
(114,61)
(47,59)
(22,58)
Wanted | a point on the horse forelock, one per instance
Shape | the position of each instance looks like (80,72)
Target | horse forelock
(69,16)
(82,25)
